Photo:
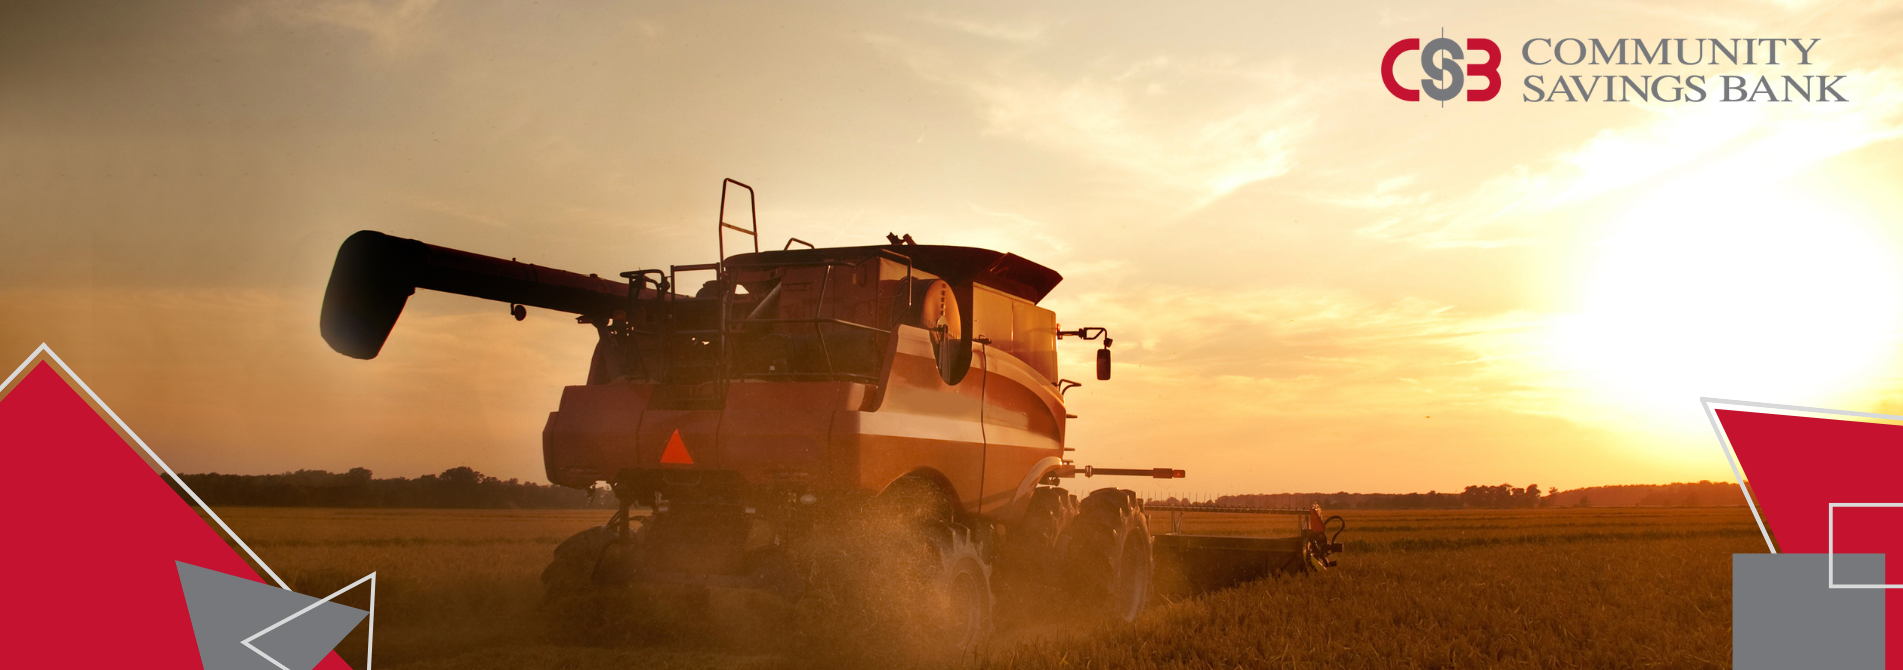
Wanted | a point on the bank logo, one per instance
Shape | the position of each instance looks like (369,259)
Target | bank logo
(1438,63)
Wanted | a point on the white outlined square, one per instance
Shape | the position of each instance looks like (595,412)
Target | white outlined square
(1831,548)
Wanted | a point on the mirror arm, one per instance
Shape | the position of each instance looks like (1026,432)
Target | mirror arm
(1103,355)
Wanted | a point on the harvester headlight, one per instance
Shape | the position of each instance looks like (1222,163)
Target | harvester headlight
(808,498)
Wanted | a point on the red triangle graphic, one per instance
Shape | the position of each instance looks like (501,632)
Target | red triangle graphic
(676,451)
(63,578)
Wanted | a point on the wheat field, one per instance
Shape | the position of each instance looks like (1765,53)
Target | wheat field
(1544,588)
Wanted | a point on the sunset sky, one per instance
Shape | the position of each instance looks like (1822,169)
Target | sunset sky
(1313,286)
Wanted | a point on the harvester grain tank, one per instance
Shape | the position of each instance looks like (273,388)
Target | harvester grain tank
(794,389)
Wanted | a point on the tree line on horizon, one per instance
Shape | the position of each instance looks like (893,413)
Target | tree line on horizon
(1703,493)
(459,488)
(465,488)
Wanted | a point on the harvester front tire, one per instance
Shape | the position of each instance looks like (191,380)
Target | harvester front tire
(1027,564)
(1106,554)
(965,585)
(580,598)
(900,582)
(573,567)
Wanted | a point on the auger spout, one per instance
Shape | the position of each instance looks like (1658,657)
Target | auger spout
(375,274)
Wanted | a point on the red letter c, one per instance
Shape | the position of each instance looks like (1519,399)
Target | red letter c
(1387,69)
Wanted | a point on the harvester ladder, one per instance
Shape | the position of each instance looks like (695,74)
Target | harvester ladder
(721,282)
(753,212)
(720,275)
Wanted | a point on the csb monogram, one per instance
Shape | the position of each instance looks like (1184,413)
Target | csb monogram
(1435,66)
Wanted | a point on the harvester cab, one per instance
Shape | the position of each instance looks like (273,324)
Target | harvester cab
(748,426)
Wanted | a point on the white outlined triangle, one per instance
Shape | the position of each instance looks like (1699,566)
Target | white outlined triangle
(259,561)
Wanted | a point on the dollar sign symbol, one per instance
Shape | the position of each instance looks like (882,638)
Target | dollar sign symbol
(1431,64)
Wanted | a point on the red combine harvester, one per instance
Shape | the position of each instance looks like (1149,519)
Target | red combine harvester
(796,393)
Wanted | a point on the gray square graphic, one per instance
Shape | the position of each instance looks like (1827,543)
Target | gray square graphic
(1785,615)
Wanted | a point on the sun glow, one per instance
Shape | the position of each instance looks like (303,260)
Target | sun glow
(1729,288)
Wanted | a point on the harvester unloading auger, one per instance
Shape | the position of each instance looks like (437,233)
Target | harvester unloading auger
(801,391)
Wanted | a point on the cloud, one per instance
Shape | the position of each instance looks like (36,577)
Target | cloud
(1023,32)
(1178,129)
(1321,350)
(1319,389)
(1675,143)
(393,25)
(455,211)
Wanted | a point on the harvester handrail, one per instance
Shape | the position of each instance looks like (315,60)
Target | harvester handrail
(730,325)
(877,251)
(838,322)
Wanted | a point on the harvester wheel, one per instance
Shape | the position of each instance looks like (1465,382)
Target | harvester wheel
(964,586)
(580,595)
(576,558)
(1027,568)
(1106,554)
(901,578)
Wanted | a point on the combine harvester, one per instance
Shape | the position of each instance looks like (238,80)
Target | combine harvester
(765,415)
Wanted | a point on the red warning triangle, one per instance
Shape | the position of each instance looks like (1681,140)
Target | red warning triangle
(676,451)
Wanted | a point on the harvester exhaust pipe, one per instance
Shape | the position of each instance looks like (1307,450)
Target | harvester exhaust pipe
(375,274)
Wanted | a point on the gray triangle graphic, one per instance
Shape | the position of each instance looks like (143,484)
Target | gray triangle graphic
(225,610)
